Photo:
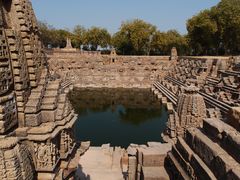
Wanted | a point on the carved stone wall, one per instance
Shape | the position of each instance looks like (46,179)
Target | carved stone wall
(204,93)
(107,71)
(15,160)
(33,105)
(8,111)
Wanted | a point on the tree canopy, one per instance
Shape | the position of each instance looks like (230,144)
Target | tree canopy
(52,36)
(163,42)
(214,31)
(134,37)
(96,37)
(137,37)
(78,36)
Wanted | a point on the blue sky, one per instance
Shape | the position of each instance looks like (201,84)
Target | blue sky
(165,14)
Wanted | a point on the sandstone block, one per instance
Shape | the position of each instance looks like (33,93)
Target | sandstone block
(184,149)
(153,157)
(213,127)
(154,173)
(234,173)
(131,151)
(48,116)
(32,120)
(222,165)
(231,143)
(201,170)
(132,167)
(184,164)
(235,117)
(206,148)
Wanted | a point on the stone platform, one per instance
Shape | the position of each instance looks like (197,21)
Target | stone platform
(101,163)
(138,161)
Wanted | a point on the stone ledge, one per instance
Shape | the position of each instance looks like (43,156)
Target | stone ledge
(154,173)
(44,136)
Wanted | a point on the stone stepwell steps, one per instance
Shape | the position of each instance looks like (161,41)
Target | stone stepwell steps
(209,99)
(190,162)
(166,92)
(210,153)
(219,161)
(175,169)
(225,135)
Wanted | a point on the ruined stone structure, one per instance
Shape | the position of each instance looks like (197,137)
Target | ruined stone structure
(35,114)
(202,97)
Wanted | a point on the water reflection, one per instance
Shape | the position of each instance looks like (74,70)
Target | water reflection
(118,116)
(137,116)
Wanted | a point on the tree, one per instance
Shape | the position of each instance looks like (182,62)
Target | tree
(163,42)
(202,31)
(134,37)
(216,31)
(60,37)
(122,44)
(96,37)
(79,36)
(227,15)
(52,36)
(46,34)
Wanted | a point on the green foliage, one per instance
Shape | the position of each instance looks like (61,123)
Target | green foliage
(211,32)
(216,31)
(134,37)
(93,37)
(163,42)
(52,36)
(45,33)
(227,14)
(96,37)
(140,38)
(79,35)
(202,32)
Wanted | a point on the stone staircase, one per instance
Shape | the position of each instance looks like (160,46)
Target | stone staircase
(101,163)
(208,153)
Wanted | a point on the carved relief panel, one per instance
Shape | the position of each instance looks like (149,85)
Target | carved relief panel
(47,155)
(5,67)
(66,143)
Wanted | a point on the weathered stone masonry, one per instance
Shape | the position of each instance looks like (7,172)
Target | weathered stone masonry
(203,125)
(35,114)
(36,117)
(107,71)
